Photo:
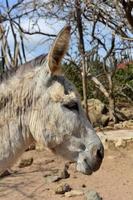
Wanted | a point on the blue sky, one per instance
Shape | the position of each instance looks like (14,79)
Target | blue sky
(34,44)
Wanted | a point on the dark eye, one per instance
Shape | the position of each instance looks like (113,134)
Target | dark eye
(72,106)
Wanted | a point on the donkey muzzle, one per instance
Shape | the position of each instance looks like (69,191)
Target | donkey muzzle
(90,160)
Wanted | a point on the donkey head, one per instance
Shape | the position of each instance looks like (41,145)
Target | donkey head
(57,119)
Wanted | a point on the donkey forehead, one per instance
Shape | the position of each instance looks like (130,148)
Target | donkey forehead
(61,89)
(64,83)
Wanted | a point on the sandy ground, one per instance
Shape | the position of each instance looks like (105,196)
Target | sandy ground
(114,180)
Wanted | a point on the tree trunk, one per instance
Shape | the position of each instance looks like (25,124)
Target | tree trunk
(112,108)
(111,99)
(82,52)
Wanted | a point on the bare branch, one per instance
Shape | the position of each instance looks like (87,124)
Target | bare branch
(109,52)
(128,6)
(33,33)
(98,84)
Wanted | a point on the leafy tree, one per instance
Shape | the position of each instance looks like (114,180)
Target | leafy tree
(73,73)
(123,82)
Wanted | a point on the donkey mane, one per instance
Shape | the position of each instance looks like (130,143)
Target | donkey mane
(16,92)
(38,61)
(9,73)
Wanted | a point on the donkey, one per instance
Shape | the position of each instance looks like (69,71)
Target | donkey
(39,104)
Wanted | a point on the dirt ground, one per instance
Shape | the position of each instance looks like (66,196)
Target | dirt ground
(114,180)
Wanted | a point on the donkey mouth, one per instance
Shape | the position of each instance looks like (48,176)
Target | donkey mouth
(84,168)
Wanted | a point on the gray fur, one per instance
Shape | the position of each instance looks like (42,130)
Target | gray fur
(40,104)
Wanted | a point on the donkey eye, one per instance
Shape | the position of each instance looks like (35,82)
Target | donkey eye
(72,106)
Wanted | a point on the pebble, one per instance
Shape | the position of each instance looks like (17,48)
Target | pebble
(64,174)
(25,162)
(74,193)
(92,195)
(5,173)
(57,176)
(62,189)
(51,178)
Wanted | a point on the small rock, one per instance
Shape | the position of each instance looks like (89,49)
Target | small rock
(51,178)
(74,193)
(61,189)
(97,112)
(118,126)
(25,162)
(56,176)
(127,124)
(92,195)
(64,174)
(5,173)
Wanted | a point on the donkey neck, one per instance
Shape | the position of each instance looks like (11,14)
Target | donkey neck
(15,106)
(13,142)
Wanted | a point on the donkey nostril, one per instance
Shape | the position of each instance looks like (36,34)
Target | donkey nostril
(97,152)
(100,154)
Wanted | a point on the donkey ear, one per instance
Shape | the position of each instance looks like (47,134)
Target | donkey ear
(58,50)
